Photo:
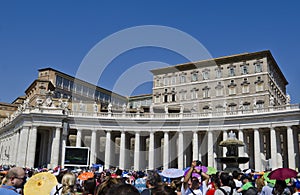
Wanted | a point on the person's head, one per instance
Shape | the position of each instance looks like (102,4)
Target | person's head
(68,182)
(153,179)
(260,183)
(224,179)
(279,187)
(246,178)
(195,183)
(236,174)
(106,185)
(163,189)
(89,186)
(123,189)
(15,177)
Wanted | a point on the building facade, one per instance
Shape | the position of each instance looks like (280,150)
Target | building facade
(193,107)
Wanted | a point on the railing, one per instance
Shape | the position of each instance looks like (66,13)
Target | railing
(206,114)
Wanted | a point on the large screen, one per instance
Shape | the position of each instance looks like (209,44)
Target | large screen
(77,156)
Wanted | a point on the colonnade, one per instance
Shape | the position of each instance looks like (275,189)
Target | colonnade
(268,148)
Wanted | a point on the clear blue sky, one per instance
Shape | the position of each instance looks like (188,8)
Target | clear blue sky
(58,34)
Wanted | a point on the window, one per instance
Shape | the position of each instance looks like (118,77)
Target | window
(205,74)
(246,106)
(182,95)
(259,87)
(206,92)
(66,84)
(232,107)
(58,81)
(157,83)
(182,79)
(260,104)
(166,95)
(244,69)
(258,66)
(245,86)
(166,81)
(157,99)
(218,73)
(231,71)
(173,80)
(219,89)
(194,94)
(245,89)
(232,90)
(194,77)
(173,95)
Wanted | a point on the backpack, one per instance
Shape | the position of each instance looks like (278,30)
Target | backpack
(251,191)
(224,192)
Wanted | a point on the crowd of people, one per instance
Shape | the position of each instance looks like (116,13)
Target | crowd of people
(194,181)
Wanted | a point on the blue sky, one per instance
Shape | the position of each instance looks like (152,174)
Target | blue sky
(58,34)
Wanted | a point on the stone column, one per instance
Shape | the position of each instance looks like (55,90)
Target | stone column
(137,143)
(224,148)
(15,147)
(166,150)
(31,147)
(63,151)
(55,147)
(22,150)
(257,153)
(78,137)
(107,150)
(93,147)
(290,148)
(195,146)
(210,148)
(273,148)
(122,150)
(151,151)
(242,150)
(180,150)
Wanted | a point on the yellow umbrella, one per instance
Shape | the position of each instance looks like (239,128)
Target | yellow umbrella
(40,184)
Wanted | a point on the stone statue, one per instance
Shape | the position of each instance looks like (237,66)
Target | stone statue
(80,106)
(48,101)
(109,107)
(38,102)
(181,108)
(272,101)
(194,108)
(138,108)
(166,109)
(241,105)
(254,103)
(124,108)
(95,107)
(26,103)
(224,104)
(231,135)
(288,99)
(151,109)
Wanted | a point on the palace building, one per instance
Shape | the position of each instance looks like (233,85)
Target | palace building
(192,108)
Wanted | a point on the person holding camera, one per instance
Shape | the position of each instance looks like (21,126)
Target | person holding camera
(194,185)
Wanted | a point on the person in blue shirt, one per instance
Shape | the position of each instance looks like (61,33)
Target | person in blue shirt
(15,178)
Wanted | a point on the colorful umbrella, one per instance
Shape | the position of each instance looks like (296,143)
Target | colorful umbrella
(282,174)
(211,170)
(40,183)
(172,173)
(86,175)
(203,168)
